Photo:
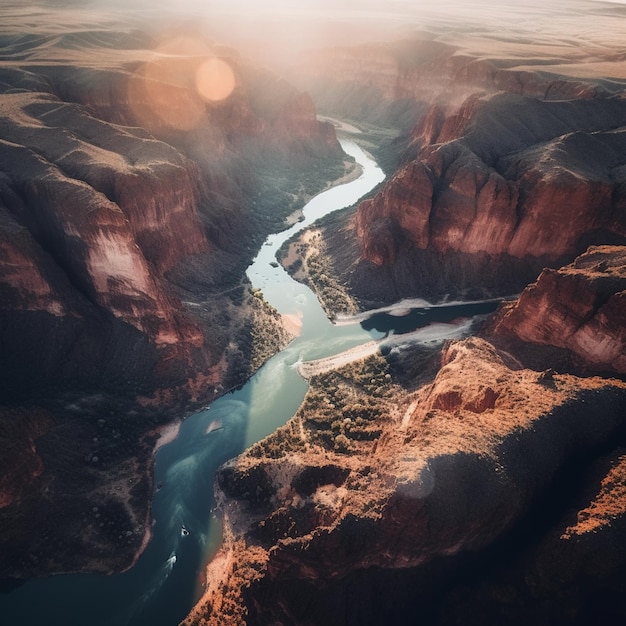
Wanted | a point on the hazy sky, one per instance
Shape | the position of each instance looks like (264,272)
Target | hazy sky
(279,28)
(298,7)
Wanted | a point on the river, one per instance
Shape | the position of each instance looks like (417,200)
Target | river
(167,579)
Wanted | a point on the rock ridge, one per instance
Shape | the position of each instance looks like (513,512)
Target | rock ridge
(579,308)
(511,159)
(503,191)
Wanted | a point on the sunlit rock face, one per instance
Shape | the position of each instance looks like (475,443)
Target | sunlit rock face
(93,217)
(508,177)
(511,149)
(402,515)
(110,212)
(137,168)
(580,307)
(483,483)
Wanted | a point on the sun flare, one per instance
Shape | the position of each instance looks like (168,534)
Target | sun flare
(215,80)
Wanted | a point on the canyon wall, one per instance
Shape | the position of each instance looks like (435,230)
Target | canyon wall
(578,308)
(481,482)
(392,81)
(511,160)
(509,184)
(503,175)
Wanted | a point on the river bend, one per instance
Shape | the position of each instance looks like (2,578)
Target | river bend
(167,579)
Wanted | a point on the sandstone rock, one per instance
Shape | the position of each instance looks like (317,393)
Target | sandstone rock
(91,235)
(500,189)
(481,213)
(460,497)
(499,181)
(410,196)
(508,165)
(129,225)
(580,307)
(129,209)
(478,485)
(372,81)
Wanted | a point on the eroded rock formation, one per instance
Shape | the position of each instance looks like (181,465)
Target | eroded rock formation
(506,166)
(448,54)
(111,211)
(580,308)
(521,183)
(482,484)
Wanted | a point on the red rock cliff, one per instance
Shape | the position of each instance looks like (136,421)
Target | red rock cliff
(511,179)
(84,199)
(128,213)
(580,307)
(370,80)
(507,166)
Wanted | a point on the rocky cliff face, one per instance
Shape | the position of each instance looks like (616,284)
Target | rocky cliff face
(579,308)
(512,159)
(132,191)
(518,181)
(109,217)
(436,486)
(422,68)
(481,483)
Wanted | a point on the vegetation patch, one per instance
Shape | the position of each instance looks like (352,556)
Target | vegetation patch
(344,409)
(306,260)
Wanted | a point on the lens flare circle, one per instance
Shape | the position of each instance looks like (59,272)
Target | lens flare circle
(181,75)
(215,80)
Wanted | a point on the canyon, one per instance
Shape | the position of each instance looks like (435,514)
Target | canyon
(454,480)
(459,481)
(509,154)
(478,482)
(130,203)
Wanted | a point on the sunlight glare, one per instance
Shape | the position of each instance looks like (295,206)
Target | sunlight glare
(175,85)
(215,80)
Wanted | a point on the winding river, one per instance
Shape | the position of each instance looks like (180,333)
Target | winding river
(163,585)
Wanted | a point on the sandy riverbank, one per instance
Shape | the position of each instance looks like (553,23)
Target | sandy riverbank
(404,307)
(431,334)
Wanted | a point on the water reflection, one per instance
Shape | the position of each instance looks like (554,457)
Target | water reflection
(389,322)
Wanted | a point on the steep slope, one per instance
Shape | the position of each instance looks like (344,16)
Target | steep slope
(579,308)
(512,160)
(103,214)
(443,53)
(484,484)
(496,192)
(506,176)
